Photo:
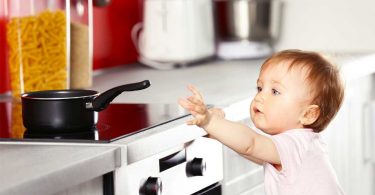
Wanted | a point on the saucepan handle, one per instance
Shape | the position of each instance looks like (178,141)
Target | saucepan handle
(102,101)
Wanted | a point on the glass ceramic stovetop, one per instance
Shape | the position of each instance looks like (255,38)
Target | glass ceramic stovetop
(115,122)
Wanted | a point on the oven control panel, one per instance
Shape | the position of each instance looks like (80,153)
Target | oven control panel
(153,185)
(185,169)
(196,167)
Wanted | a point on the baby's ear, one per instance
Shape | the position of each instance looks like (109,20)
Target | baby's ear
(310,115)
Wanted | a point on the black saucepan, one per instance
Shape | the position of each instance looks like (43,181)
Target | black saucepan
(58,111)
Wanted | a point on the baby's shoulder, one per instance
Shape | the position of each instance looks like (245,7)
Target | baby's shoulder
(300,140)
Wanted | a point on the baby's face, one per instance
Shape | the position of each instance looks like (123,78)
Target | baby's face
(282,96)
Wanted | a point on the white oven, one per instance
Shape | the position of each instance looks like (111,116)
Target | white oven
(193,167)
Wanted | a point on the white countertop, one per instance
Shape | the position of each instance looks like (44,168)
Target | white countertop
(221,82)
(31,168)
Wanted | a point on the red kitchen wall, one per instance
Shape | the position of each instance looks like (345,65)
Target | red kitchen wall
(4,76)
(112,33)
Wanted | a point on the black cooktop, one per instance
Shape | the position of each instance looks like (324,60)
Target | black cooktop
(115,122)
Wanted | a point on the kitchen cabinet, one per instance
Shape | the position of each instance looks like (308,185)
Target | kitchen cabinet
(241,176)
(349,138)
(257,190)
(92,187)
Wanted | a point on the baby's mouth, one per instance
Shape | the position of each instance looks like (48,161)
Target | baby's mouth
(256,110)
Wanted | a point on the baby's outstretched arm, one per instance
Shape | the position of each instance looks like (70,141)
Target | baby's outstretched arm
(236,136)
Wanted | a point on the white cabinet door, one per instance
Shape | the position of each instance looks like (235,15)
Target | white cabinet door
(258,190)
(348,142)
(241,176)
(336,136)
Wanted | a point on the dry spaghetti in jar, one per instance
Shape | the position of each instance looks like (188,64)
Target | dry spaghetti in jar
(37,52)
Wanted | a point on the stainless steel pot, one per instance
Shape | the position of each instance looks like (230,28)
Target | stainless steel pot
(253,20)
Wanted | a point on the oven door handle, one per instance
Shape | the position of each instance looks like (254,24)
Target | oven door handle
(212,189)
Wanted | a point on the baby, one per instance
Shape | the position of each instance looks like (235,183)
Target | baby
(299,93)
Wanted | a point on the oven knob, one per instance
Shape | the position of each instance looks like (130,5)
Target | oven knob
(152,186)
(196,167)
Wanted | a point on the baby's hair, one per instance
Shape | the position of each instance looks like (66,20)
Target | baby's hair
(323,76)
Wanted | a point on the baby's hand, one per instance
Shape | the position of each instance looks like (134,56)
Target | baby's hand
(217,111)
(195,105)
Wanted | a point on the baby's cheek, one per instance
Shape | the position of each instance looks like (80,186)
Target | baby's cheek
(251,113)
(251,108)
(273,117)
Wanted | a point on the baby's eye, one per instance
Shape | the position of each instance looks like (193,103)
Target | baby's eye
(259,89)
(275,92)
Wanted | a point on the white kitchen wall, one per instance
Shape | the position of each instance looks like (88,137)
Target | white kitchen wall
(328,25)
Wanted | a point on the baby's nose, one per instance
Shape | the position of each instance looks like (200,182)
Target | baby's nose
(259,97)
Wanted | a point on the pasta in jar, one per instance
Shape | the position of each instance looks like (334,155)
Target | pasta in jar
(37,52)
(17,128)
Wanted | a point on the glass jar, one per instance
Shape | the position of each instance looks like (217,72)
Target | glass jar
(39,38)
(81,44)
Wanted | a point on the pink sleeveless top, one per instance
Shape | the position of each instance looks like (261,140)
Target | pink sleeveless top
(305,166)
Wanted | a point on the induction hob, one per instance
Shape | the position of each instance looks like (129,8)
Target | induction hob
(115,122)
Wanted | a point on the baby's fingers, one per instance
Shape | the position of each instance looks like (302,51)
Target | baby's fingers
(196,101)
(191,122)
(198,109)
(185,104)
(195,121)
(196,92)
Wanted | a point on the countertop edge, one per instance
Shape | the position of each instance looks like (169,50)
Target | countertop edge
(72,174)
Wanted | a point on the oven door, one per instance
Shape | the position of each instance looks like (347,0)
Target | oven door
(193,167)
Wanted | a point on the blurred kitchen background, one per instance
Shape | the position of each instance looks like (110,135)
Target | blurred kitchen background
(125,32)
(97,36)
